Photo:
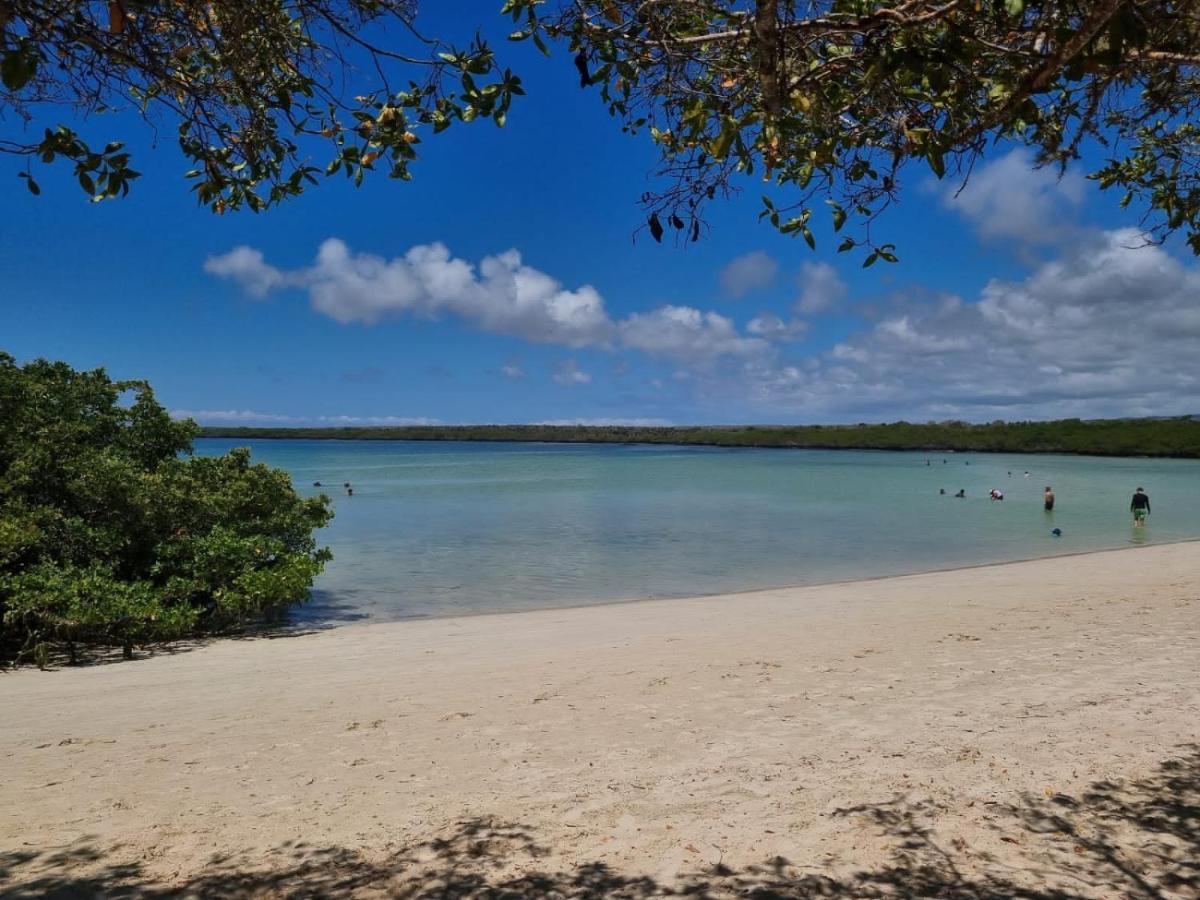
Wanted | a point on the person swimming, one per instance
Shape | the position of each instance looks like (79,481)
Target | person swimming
(962,492)
(997,494)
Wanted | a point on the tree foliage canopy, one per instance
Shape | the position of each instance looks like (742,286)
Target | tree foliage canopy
(830,100)
(111,534)
(255,89)
(825,100)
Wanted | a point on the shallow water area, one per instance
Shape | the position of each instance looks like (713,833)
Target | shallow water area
(436,529)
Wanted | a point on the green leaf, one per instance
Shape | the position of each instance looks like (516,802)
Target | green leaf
(839,217)
(656,229)
(720,146)
(936,162)
(19,66)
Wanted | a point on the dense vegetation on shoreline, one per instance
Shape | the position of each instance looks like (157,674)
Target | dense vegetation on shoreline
(1178,437)
(113,534)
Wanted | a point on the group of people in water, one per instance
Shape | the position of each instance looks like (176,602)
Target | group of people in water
(1139,506)
(997,494)
(346,485)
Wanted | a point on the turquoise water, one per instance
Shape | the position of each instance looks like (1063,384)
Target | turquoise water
(442,529)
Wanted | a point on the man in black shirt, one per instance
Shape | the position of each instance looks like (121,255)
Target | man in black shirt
(1140,507)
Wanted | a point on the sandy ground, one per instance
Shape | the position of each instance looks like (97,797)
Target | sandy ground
(1022,730)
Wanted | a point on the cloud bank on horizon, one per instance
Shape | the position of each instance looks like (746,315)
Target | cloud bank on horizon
(1108,329)
(1103,324)
(266,419)
(248,417)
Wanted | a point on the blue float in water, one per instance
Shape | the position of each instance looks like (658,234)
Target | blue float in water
(1057,532)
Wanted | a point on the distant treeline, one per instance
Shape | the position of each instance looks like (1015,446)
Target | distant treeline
(1178,437)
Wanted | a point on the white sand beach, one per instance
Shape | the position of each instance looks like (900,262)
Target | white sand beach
(1028,729)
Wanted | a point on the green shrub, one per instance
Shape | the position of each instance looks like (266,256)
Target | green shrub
(113,534)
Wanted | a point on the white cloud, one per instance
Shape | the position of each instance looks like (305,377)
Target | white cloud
(901,332)
(504,296)
(512,371)
(1011,199)
(501,296)
(246,266)
(751,272)
(773,328)
(1110,328)
(252,417)
(687,335)
(820,287)
(1107,327)
(568,374)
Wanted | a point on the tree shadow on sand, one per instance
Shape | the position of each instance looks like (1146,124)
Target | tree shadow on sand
(328,611)
(1138,838)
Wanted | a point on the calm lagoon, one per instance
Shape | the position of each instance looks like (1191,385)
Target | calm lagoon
(438,529)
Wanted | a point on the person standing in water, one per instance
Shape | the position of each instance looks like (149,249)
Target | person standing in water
(1048,499)
(1140,507)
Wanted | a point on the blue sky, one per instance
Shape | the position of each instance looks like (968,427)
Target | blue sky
(1024,298)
